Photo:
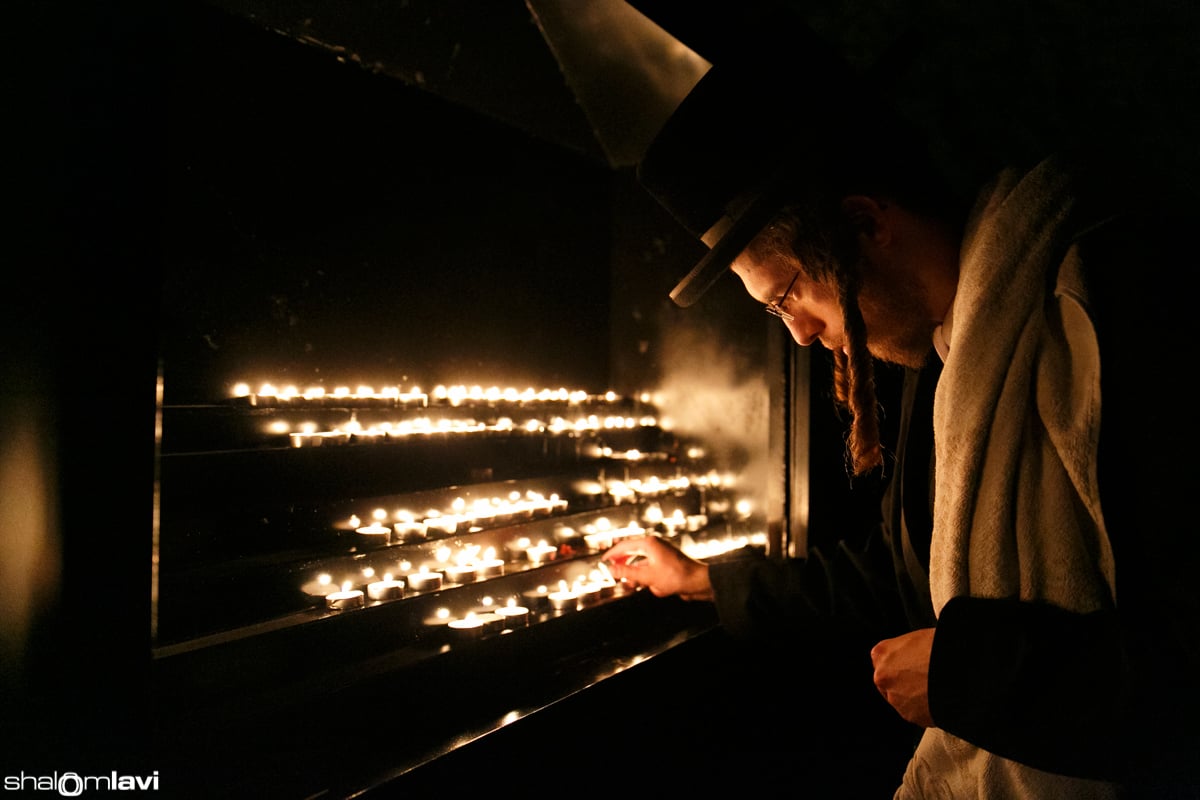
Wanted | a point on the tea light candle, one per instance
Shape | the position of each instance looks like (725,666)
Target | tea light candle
(320,587)
(386,589)
(536,598)
(375,534)
(492,622)
(514,616)
(589,593)
(541,553)
(490,566)
(460,573)
(469,627)
(676,522)
(345,599)
(564,599)
(598,541)
(517,547)
(424,581)
(409,530)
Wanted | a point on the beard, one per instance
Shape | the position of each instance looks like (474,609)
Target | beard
(893,306)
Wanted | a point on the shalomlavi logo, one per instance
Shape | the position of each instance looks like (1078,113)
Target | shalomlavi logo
(72,784)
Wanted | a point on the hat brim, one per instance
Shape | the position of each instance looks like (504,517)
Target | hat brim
(723,253)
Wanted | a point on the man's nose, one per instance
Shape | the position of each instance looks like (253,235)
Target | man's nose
(804,329)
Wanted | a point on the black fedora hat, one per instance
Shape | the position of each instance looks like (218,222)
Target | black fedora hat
(724,162)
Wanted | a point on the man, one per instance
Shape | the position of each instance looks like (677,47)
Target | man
(1064,655)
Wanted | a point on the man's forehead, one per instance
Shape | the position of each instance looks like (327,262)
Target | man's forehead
(763,278)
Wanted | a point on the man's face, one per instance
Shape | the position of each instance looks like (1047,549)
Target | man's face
(898,328)
(810,310)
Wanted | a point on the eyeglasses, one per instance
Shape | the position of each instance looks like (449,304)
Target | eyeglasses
(774,308)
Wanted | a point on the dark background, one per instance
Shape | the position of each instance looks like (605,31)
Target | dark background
(118,160)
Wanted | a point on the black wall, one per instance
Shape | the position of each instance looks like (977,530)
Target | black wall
(329,225)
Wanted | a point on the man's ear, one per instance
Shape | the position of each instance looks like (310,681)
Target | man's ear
(869,217)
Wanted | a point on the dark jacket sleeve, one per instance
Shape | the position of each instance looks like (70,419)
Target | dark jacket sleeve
(851,587)
(872,583)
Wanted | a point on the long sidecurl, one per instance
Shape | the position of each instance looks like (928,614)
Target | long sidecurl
(854,384)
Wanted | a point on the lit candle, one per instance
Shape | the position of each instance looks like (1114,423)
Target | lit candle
(320,587)
(536,598)
(603,579)
(386,589)
(515,616)
(375,534)
(424,580)
(589,593)
(598,541)
(408,529)
(564,599)
(469,627)
(517,547)
(541,552)
(630,530)
(345,599)
(490,566)
(460,573)
(492,622)
(676,522)
(440,524)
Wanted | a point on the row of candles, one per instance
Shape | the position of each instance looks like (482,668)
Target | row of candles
(401,526)
(404,526)
(490,617)
(565,596)
(598,534)
(582,591)
(473,563)
(470,566)
(269,395)
(310,434)
(467,566)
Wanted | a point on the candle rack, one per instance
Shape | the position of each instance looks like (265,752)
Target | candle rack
(301,574)
(520,498)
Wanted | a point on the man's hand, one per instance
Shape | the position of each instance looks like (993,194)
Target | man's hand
(659,566)
(902,674)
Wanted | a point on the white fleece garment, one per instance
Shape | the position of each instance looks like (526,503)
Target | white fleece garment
(1016,426)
